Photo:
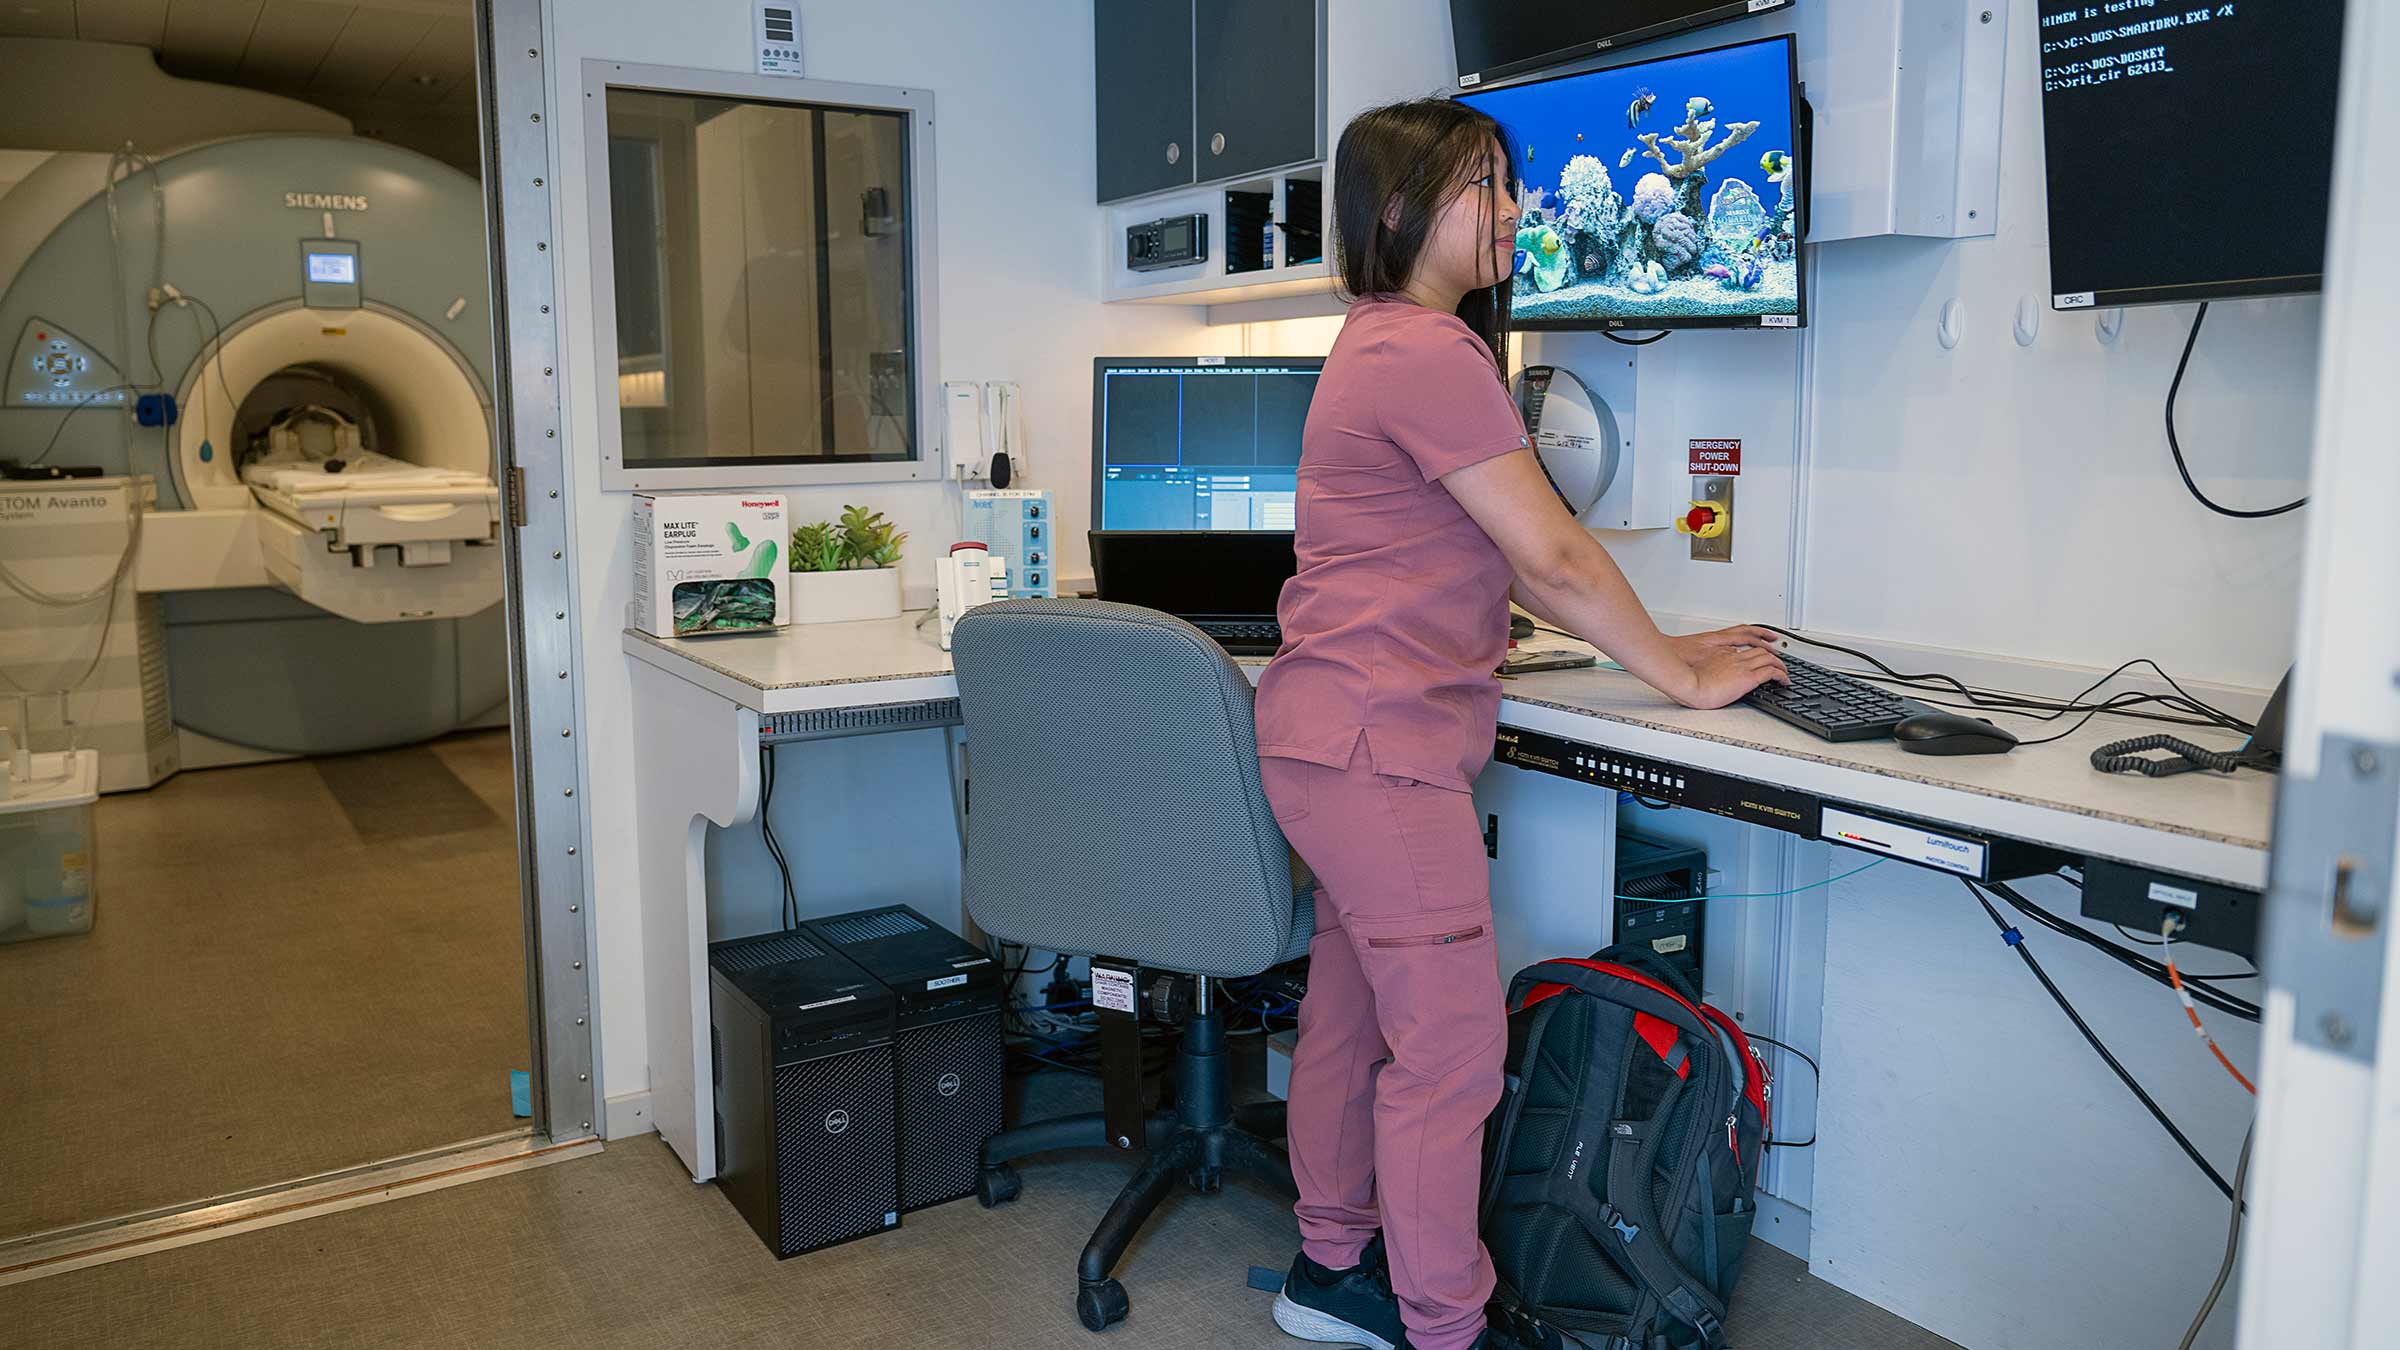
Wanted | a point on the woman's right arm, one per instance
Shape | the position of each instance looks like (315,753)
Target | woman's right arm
(1566,573)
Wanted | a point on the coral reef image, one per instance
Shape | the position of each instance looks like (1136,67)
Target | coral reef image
(1656,194)
(723,606)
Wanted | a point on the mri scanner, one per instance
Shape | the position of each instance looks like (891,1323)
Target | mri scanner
(326,527)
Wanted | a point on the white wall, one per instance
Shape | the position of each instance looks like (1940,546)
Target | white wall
(1980,1171)
(1020,254)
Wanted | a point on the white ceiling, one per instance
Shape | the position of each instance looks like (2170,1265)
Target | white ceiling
(412,52)
(403,69)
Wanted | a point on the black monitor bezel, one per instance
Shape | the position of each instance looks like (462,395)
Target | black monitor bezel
(2175,293)
(1803,118)
(1101,365)
(1609,43)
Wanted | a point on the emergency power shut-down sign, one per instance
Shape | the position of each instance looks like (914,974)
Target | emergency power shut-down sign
(1716,459)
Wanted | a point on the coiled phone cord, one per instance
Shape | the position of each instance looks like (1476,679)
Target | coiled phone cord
(2137,756)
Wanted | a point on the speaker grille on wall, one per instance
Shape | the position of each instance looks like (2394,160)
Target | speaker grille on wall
(835,1137)
(950,1095)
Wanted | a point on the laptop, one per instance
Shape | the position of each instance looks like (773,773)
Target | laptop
(1223,582)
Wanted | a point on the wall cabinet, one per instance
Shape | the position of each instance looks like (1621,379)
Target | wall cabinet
(1255,87)
(1196,91)
(1230,110)
(1142,54)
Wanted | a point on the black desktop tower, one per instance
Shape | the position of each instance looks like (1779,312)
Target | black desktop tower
(801,1040)
(1668,917)
(948,998)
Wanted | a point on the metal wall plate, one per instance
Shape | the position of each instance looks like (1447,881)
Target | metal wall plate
(1718,491)
(2329,891)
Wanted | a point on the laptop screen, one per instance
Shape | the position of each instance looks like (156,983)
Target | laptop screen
(1194,573)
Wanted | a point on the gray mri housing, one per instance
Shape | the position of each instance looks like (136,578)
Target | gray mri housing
(259,667)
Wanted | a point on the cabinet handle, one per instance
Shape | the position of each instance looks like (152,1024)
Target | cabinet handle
(1216,144)
(1174,152)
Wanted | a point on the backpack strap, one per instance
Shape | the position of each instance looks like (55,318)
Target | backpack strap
(1627,1226)
(1640,956)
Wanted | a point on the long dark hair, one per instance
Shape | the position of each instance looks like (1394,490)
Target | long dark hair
(1417,154)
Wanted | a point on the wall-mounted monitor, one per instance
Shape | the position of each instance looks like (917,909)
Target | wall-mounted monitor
(1663,194)
(1497,39)
(2188,148)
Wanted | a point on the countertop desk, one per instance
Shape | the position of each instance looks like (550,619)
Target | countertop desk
(705,706)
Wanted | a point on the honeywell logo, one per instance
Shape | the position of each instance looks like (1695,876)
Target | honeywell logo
(771,501)
(325,201)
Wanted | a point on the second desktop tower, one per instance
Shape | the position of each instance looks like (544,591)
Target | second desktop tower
(949,998)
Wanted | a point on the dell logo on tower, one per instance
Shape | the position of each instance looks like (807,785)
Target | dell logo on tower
(836,1122)
(949,1085)
(325,201)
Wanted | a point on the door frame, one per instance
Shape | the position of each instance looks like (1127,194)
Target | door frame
(520,178)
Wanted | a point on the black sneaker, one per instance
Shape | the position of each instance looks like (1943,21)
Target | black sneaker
(1343,1307)
(1510,1329)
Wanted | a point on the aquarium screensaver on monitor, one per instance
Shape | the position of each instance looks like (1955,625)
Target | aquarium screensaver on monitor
(1496,39)
(1660,195)
(2189,149)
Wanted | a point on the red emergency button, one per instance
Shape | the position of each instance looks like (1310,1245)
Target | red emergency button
(1706,520)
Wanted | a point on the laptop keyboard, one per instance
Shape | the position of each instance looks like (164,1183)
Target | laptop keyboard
(1245,634)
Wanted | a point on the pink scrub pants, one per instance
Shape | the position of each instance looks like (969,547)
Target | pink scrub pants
(1402,1035)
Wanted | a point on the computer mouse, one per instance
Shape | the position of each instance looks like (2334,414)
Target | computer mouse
(1942,733)
(1519,627)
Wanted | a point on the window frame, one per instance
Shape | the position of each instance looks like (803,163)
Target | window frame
(923,331)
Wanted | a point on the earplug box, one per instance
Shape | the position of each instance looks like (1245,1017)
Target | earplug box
(710,562)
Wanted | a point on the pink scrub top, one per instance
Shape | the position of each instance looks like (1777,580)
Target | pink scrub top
(1398,614)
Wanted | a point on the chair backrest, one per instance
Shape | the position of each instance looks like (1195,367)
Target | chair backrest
(1115,806)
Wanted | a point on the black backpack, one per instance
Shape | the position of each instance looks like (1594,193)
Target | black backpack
(1621,1166)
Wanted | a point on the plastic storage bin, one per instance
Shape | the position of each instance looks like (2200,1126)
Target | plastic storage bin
(47,847)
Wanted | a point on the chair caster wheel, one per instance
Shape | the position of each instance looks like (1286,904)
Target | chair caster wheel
(1101,1305)
(997,1186)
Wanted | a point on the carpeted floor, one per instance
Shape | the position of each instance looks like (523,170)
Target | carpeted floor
(295,967)
(622,1250)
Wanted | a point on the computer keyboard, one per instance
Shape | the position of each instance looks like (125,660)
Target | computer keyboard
(1243,635)
(1830,704)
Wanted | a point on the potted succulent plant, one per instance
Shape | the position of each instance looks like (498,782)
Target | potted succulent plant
(846,569)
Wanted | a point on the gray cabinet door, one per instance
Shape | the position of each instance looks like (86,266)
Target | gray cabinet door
(1256,85)
(1142,51)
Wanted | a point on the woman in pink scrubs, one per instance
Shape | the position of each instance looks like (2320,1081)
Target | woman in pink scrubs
(1422,513)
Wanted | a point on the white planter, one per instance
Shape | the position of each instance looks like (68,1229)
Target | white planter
(842,597)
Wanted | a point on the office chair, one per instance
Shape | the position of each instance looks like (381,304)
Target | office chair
(1115,810)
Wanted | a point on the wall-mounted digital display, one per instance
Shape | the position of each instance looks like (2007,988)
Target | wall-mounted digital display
(2188,149)
(1499,38)
(338,269)
(1664,194)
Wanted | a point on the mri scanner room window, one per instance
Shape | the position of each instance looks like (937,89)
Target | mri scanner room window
(764,269)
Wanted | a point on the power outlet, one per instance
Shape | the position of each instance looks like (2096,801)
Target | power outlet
(1717,492)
